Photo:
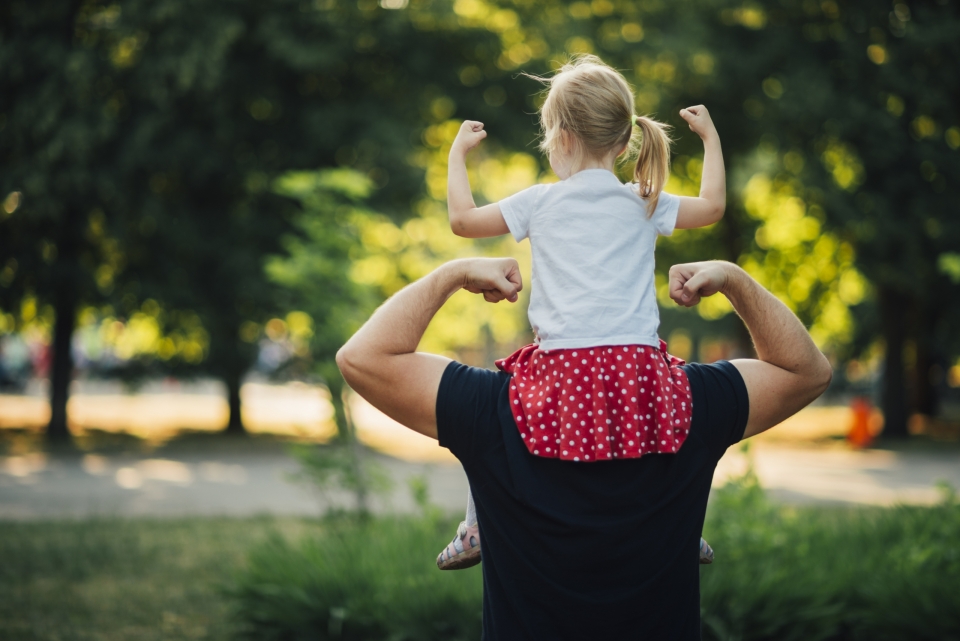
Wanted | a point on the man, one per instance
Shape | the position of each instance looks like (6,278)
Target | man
(604,550)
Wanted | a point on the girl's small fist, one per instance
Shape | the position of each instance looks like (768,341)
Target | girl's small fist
(470,134)
(699,120)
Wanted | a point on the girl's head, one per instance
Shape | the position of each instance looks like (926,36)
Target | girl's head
(588,113)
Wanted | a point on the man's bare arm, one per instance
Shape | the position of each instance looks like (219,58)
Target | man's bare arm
(380,361)
(790,372)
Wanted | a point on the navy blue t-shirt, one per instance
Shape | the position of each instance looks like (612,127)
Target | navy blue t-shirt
(606,550)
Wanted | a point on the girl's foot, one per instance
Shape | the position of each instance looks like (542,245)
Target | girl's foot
(463,551)
(706,552)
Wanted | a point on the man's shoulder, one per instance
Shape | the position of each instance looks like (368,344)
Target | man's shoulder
(468,401)
(721,405)
(711,373)
(459,378)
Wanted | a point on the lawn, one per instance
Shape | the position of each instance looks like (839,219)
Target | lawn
(781,573)
(126,579)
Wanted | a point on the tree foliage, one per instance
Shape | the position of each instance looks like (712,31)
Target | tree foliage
(195,154)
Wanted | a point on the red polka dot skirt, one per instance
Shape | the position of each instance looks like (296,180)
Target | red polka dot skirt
(599,403)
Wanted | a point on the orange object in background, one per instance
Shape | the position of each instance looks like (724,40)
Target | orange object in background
(860,434)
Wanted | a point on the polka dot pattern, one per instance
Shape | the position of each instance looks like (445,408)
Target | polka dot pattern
(599,403)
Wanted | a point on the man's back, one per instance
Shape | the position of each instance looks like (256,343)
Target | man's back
(567,555)
(604,550)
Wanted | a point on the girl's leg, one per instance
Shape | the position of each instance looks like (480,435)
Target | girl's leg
(706,552)
(471,518)
(464,550)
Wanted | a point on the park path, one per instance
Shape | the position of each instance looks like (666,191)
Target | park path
(243,482)
(801,461)
(207,483)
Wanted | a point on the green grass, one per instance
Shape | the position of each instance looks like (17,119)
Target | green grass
(126,579)
(781,573)
(830,573)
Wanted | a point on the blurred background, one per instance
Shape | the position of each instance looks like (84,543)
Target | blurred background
(200,201)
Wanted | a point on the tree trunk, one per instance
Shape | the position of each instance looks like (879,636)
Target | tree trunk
(362,483)
(893,400)
(336,390)
(926,399)
(235,426)
(66,298)
(347,435)
(61,366)
(489,346)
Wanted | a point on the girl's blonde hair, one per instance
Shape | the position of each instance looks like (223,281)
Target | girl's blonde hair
(594,104)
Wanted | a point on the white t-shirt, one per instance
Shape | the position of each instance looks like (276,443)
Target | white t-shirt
(592,241)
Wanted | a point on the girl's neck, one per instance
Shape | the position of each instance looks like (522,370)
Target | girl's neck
(593,163)
(608,162)
(561,160)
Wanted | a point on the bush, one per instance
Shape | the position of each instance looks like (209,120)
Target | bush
(810,573)
(829,573)
(361,579)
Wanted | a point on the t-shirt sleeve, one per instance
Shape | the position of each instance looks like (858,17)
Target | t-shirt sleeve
(720,404)
(518,209)
(665,215)
(467,407)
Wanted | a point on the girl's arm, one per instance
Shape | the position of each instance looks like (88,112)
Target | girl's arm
(466,219)
(709,206)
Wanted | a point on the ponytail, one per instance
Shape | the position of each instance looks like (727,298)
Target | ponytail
(653,161)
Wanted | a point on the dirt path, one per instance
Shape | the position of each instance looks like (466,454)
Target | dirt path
(801,461)
(237,481)
(165,484)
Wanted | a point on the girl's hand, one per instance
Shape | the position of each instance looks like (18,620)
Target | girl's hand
(699,120)
(470,134)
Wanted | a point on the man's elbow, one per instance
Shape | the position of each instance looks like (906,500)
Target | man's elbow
(822,376)
(347,362)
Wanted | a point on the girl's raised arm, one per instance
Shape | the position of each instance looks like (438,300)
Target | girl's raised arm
(708,208)
(466,219)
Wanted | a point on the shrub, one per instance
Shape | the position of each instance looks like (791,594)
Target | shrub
(362,579)
(781,572)
(829,573)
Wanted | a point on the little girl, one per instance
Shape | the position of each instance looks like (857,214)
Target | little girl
(598,384)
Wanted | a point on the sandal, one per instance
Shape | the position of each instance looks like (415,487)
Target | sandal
(706,552)
(463,551)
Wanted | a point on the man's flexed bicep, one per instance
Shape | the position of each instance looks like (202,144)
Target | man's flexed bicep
(404,387)
(380,361)
(790,372)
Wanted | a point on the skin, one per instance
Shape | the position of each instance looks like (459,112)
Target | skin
(469,221)
(380,361)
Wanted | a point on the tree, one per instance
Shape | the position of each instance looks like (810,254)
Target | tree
(314,269)
(314,275)
(143,139)
(225,97)
(140,142)
(864,103)
(60,100)
(840,127)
